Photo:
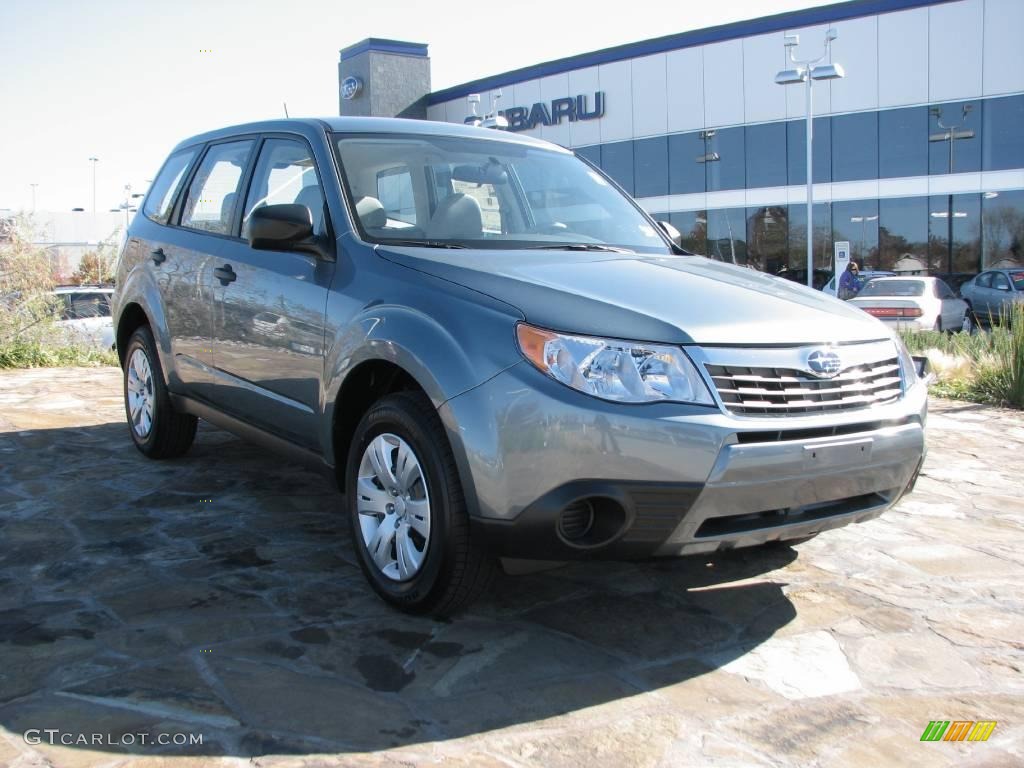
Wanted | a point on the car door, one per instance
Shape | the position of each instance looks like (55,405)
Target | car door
(1001,295)
(979,294)
(206,215)
(269,306)
(163,249)
(952,308)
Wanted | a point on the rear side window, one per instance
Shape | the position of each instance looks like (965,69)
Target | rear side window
(213,194)
(984,280)
(162,194)
(78,306)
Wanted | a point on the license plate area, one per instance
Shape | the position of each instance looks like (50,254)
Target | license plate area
(850,453)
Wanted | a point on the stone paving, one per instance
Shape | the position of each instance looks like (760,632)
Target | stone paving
(215,596)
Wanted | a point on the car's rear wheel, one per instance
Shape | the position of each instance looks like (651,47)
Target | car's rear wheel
(407,513)
(157,430)
(967,326)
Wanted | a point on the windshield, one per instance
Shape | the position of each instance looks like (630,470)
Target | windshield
(484,193)
(893,288)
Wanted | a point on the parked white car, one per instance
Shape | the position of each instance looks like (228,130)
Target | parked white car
(85,314)
(914,303)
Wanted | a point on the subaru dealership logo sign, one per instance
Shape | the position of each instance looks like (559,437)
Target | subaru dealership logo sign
(569,108)
(824,363)
(351,87)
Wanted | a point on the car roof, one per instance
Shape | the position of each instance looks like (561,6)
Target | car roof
(320,125)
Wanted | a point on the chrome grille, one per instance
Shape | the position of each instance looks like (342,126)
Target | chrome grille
(765,390)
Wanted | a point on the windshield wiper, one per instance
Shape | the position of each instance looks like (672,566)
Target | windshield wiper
(579,247)
(423,243)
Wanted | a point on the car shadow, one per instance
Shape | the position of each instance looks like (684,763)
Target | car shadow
(215,597)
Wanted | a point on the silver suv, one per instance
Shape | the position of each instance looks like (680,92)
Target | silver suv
(497,353)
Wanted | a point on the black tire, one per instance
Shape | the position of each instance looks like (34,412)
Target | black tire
(171,433)
(938,325)
(457,568)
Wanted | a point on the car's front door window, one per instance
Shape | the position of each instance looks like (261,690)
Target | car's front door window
(286,173)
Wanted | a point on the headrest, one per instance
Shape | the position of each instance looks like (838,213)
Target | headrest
(371,212)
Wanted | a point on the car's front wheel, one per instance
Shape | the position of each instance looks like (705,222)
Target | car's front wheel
(407,512)
(157,430)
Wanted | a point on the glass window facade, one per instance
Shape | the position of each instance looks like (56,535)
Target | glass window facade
(940,234)
(796,150)
(958,123)
(766,155)
(856,221)
(1003,133)
(727,235)
(1002,217)
(686,173)
(903,142)
(855,146)
(959,215)
(903,235)
(724,159)
(650,166)
(617,162)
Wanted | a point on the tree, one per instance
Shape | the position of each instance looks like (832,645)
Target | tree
(95,267)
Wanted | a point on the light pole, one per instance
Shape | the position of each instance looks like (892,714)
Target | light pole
(950,133)
(806,71)
(94,160)
(34,185)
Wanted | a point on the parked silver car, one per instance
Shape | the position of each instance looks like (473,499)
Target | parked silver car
(914,304)
(496,353)
(991,293)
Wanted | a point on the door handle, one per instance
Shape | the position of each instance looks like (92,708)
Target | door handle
(158,256)
(225,274)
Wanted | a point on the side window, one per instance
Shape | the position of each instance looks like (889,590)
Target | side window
(984,280)
(394,190)
(999,281)
(210,204)
(286,173)
(161,195)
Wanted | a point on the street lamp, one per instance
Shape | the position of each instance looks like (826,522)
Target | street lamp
(952,134)
(806,71)
(94,160)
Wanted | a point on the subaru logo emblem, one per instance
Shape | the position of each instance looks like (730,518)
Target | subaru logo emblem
(350,87)
(824,363)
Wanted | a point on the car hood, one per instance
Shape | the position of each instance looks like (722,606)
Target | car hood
(672,299)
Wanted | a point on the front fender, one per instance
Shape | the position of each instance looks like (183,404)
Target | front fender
(450,351)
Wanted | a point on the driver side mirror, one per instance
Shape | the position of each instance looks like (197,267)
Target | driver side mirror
(284,227)
(673,234)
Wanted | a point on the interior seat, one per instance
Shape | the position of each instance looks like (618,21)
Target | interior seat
(457,216)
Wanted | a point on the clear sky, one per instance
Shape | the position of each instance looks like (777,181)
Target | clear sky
(125,81)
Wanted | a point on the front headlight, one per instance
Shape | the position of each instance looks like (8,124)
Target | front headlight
(623,371)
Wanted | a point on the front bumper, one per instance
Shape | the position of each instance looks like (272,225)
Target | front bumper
(687,479)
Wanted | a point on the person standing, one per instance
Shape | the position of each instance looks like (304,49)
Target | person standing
(848,282)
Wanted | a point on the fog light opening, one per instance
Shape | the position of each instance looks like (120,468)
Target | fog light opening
(591,522)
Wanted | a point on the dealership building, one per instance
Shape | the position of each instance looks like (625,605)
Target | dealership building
(918,157)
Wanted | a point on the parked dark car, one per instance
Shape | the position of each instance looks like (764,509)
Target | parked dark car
(496,353)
